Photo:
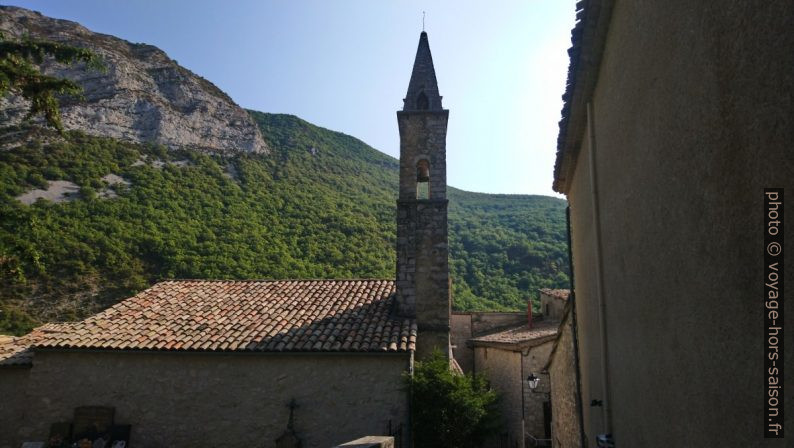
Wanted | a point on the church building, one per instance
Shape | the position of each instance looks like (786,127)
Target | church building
(311,363)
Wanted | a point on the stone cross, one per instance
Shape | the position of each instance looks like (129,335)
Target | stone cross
(292,406)
(289,439)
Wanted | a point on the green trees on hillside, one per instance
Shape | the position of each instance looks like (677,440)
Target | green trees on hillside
(321,206)
(503,248)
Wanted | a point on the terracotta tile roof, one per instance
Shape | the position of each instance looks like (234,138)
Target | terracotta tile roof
(15,351)
(253,316)
(519,336)
(557,293)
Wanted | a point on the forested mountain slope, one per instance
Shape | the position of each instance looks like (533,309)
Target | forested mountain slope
(163,176)
(321,205)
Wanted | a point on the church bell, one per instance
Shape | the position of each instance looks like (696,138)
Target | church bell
(422,172)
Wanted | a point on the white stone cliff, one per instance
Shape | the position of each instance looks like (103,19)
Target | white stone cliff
(143,96)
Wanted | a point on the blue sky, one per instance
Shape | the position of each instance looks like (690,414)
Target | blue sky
(345,65)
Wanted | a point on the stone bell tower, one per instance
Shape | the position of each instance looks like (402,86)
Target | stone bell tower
(423,285)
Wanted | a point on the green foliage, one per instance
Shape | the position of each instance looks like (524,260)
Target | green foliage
(503,248)
(15,321)
(449,409)
(321,205)
(20,74)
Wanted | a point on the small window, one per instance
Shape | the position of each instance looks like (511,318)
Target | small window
(422,103)
(422,180)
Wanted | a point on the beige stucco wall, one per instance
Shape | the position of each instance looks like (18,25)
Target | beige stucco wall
(562,374)
(584,262)
(692,120)
(214,399)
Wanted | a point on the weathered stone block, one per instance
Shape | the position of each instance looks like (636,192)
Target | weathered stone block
(370,442)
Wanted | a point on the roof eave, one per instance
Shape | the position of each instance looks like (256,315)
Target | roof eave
(587,39)
(38,349)
(512,346)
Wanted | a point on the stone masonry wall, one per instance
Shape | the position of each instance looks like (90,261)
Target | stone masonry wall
(187,399)
(423,270)
(460,332)
(562,371)
(423,136)
(533,362)
(551,307)
(482,323)
(13,410)
(503,370)
(422,249)
(464,326)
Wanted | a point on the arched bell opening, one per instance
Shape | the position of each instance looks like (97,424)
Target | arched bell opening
(422,180)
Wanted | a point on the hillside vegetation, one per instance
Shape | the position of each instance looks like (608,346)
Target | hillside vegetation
(321,205)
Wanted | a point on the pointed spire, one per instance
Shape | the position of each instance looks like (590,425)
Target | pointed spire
(423,88)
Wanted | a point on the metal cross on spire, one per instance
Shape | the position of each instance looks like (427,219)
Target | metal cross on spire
(423,21)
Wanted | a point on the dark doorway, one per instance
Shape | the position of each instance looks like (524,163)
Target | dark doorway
(547,419)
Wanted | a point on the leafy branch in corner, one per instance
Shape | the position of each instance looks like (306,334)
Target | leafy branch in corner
(20,74)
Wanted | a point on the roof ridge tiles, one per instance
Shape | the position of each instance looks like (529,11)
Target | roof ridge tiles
(270,280)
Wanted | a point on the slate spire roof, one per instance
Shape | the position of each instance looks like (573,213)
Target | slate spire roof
(247,316)
(423,87)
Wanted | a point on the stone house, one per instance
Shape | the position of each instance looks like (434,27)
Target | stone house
(207,363)
(553,303)
(507,358)
(677,116)
(312,363)
(508,347)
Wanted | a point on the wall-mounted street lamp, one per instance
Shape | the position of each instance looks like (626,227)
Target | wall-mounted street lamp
(533,381)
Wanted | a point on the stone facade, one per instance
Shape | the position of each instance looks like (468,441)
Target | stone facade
(423,136)
(521,409)
(14,408)
(503,370)
(537,419)
(466,325)
(504,348)
(423,285)
(202,399)
(506,365)
(565,401)
(552,303)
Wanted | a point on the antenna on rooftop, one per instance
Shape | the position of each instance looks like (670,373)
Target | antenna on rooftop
(423,21)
